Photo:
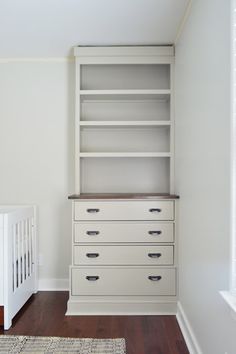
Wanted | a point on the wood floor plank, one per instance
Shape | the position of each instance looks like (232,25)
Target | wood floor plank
(1,315)
(177,339)
(44,315)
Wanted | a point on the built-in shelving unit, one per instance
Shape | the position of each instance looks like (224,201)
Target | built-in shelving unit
(124,211)
(124,120)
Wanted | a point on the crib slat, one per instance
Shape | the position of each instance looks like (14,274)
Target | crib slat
(14,257)
(25,254)
(27,249)
(30,248)
(23,251)
(18,265)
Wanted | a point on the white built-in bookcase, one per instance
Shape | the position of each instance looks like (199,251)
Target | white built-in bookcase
(124,121)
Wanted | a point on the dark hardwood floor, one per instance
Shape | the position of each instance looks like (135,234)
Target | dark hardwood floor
(44,315)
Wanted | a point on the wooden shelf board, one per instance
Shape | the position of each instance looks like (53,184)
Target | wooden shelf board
(125,154)
(125,92)
(124,123)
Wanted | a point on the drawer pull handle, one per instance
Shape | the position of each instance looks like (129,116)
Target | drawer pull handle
(92,233)
(154,277)
(92,255)
(154,255)
(155,232)
(93,210)
(92,277)
(155,210)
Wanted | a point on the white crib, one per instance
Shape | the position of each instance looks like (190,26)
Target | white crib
(18,261)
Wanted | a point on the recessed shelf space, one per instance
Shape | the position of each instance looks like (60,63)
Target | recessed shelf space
(125,76)
(124,117)
(125,140)
(122,175)
(126,110)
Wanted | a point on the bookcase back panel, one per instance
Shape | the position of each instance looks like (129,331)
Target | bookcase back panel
(125,175)
(152,139)
(100,77)
(125,110)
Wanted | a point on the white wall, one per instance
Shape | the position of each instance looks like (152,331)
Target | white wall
(203,173)
(36,151)
(43,28)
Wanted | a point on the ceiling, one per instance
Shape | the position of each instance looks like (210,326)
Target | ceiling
(50,28)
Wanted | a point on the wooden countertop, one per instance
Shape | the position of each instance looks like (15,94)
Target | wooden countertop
(147,196)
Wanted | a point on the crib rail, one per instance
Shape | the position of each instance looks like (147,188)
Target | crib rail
(20,271)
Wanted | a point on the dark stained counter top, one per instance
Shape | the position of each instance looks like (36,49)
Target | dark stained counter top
(147,196)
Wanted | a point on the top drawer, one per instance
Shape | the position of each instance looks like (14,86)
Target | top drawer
(124,210)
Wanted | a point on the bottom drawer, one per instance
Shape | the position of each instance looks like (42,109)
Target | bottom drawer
(123,281)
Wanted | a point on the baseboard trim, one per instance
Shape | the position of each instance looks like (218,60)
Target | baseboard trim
(187,331)
(116,307)
(53,284)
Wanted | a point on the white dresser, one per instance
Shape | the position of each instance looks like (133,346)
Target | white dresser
(124,254)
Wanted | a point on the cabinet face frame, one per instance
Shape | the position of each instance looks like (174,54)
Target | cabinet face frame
(77,126)
(121,55)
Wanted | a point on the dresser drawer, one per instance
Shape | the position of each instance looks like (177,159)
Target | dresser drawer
(118,232)
(123,255)
(124,210)
(123,281)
